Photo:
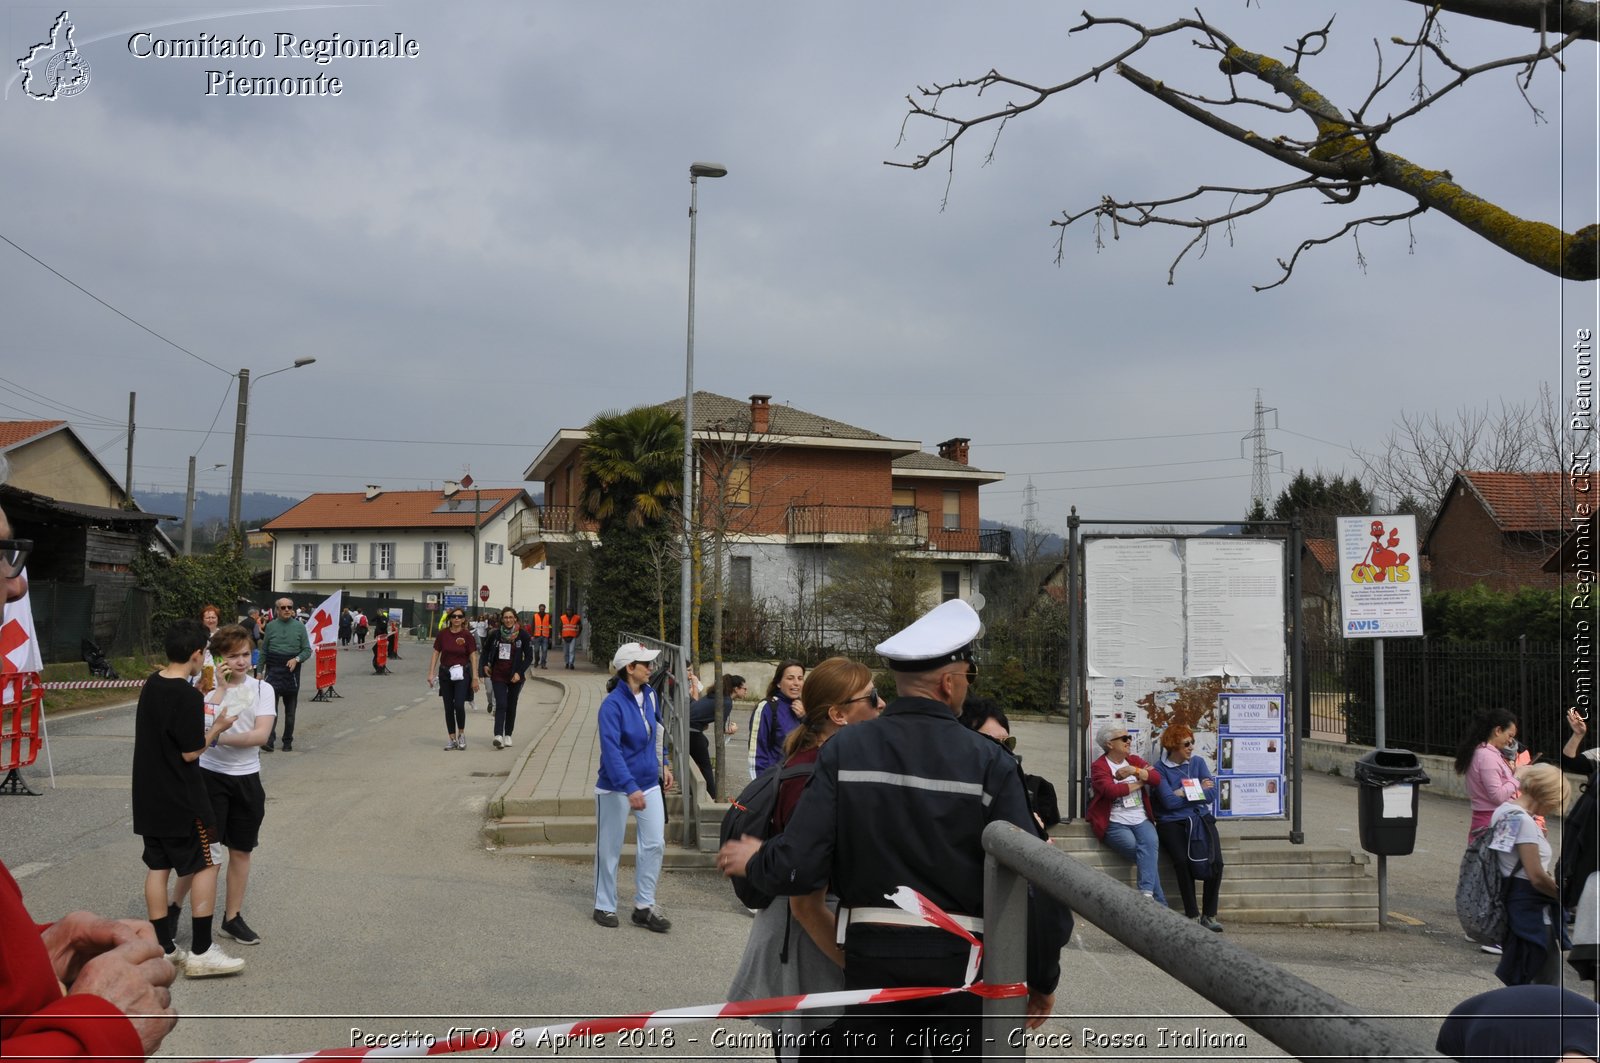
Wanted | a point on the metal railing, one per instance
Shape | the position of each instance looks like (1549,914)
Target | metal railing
(539,521)
(1433,688)
(1297,1016)
(903,525)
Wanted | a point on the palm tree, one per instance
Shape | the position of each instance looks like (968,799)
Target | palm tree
(632,466)
(632,471)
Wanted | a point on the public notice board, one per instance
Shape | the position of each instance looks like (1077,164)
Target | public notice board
(1380,577)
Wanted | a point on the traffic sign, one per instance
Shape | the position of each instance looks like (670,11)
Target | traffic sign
(483,593)
(455,597)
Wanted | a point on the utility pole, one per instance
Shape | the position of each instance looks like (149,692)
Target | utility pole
(188,513)
(127,481)
(236,488)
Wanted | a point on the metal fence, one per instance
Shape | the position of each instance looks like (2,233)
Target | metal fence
(1433,689)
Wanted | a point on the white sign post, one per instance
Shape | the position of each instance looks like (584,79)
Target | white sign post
(1380,593)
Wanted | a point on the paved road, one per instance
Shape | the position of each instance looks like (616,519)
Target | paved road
(382,912)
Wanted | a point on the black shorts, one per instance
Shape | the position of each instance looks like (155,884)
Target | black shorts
(184,854)
(239,804)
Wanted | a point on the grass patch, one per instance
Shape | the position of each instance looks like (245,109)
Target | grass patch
(56,701)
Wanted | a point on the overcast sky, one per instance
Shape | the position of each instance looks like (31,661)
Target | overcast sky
(489,242)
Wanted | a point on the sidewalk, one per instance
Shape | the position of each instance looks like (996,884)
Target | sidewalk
(554,777)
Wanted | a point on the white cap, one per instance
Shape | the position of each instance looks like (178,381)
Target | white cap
(940,636)
(631,652)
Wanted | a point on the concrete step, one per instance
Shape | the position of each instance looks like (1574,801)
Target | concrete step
(584,806)
(561,830)
(675,858)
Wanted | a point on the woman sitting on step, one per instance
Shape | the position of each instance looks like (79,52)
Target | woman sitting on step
(1186,824)
(1119,807)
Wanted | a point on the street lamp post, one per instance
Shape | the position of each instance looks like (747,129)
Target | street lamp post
(236,488)
(685,581)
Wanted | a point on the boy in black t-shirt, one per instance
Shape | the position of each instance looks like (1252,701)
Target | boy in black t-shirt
(170,808)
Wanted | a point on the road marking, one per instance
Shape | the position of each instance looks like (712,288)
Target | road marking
(346,733)
(24,870)
(400,708)
(377,719)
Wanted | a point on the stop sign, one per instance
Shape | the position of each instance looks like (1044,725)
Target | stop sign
(483,593)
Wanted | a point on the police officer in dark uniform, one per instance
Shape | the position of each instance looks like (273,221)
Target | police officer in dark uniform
(903,800)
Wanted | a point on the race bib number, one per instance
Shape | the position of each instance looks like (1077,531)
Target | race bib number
(505,651)
(458,671)
(1192,790)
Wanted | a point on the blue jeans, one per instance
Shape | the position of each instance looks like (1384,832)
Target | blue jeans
(650,836)
(1139,844)
(571,650)
(541,651)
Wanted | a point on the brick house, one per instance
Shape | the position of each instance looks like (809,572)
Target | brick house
(789,487)
(1498,529)
(403,545)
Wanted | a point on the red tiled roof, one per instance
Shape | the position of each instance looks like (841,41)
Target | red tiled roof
(1325,552)
(13,432)
(1522,501)
(389,509)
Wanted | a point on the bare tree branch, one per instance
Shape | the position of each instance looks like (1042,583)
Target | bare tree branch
(1340,157)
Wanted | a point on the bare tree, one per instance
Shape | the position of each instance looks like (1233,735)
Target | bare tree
(731,502)
(1412,467)
(1337,153)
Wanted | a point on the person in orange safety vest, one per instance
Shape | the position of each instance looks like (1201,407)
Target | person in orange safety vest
(571,626)
(541,638)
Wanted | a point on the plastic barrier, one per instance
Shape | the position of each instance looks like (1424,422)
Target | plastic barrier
(327,657)
(21,733)
(380,655)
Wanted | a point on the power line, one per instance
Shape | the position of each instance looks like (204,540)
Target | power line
(27,393)
(1139,483)
(1104,439)
(132,321)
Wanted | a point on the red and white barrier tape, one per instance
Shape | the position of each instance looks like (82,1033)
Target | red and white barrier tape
(574,1032)
(94,684)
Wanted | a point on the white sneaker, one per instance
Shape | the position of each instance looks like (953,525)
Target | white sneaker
(178,956)
(1493,950)
(499,741)
(506,743)
(211,963)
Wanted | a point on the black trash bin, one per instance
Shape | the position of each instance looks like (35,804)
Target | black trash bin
(1388,820)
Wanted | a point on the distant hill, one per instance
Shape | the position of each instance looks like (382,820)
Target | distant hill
(254,506)
(1050,544)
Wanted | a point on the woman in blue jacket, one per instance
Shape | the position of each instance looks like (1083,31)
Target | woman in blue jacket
(778,715)
(1185,823)
(631,777)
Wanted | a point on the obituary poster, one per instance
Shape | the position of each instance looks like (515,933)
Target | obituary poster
(1234,606)
(1239,796)
(1250,755)
(1250,713)
(1133,593)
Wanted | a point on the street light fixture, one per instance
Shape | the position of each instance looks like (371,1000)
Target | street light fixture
(685,583)
(236,489)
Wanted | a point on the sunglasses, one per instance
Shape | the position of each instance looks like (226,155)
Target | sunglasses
(1120,738)
(870,697)
(13,555)
(1189,744)
(286,608)
(458,616)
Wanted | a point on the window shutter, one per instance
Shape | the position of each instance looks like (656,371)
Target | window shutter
(372,561)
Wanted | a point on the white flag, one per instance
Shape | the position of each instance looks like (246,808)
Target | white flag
(323,623)
(19,643)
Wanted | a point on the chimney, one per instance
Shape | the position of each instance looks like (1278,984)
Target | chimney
(760,413)
(955,449)
(373,491)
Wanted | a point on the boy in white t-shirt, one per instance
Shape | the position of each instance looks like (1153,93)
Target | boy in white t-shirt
(231,767)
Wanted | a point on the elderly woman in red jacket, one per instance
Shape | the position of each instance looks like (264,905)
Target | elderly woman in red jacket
(1119,806)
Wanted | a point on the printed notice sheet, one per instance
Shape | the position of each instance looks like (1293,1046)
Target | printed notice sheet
(1134,605)
(1235,606)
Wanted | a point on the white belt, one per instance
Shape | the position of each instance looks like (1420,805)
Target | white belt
(897,917)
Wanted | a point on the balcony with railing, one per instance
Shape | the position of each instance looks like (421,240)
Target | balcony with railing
(905,526)
(365,572)
(543,530)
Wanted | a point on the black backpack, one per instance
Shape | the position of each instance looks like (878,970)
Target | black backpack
(751,813)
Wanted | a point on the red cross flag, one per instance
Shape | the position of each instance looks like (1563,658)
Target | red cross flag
(19,644)
(323,623)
